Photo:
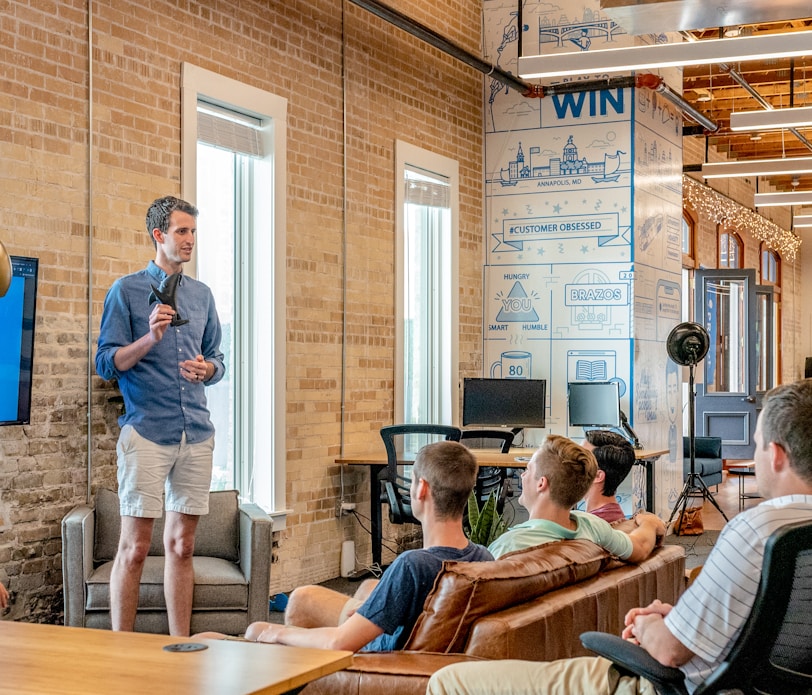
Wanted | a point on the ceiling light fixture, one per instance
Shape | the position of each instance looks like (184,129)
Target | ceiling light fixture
(770,119)
(665,55)
(802,221)
(763,200)
(757,167)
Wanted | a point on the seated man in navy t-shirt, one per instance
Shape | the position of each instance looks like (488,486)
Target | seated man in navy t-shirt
(443,476)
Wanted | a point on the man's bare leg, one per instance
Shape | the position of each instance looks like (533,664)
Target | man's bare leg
(179,575)
(318,606)
(125,578)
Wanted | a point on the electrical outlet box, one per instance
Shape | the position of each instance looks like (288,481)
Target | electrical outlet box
(343,508)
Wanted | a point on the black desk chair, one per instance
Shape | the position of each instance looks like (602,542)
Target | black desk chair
(490,478)
(395,485)
(773,653)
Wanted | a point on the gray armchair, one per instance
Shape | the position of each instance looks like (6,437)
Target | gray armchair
(707,459)
(232,566)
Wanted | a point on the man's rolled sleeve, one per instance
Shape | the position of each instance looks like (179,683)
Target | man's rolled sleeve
(115,332)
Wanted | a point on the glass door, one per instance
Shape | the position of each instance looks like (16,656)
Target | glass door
(726,391)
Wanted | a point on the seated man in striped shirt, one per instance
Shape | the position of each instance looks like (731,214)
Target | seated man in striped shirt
(697,633)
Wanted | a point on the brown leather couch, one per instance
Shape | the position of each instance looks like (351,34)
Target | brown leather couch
(531,604)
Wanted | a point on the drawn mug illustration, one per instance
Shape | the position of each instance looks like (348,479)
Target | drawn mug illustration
(512,364)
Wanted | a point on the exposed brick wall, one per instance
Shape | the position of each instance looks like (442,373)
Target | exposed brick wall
(396,87)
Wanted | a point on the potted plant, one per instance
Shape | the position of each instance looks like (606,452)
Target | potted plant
(484,525)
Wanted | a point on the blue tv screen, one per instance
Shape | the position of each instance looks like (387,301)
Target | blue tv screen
(17,320)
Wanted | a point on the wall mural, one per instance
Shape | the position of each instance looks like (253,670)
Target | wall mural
(582,273)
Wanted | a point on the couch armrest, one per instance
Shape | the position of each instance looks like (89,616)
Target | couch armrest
(393,673)
(255,558)
(78,534)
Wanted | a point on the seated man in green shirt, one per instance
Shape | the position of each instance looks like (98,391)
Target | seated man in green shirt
(557,477)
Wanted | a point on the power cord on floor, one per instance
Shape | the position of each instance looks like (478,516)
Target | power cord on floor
(358,518)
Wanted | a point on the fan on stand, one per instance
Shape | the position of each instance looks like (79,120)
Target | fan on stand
(687,345)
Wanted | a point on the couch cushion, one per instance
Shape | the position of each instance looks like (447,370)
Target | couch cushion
(465,591)
(549,627)
(219,585)
(217,533)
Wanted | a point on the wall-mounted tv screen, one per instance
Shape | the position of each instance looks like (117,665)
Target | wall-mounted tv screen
(17,318)
(593,403)
(504,402)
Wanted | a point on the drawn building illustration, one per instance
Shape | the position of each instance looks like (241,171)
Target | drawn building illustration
(583,203)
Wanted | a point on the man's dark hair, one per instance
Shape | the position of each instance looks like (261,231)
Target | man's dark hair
(786,420)
(615,457)
(161,210)
(450,469)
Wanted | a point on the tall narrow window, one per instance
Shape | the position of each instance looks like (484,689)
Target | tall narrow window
(233,165)
(689,264)
(731,250)
(770,267)
(769,319)
(426,287)
(688,240)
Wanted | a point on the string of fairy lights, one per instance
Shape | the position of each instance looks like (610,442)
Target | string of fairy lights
(725,211)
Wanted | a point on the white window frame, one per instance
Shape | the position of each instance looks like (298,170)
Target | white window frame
(267,440)
(417,157)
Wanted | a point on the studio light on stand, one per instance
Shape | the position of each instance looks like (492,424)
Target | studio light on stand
(687,345)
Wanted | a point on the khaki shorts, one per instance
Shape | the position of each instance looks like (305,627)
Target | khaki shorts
(147,471)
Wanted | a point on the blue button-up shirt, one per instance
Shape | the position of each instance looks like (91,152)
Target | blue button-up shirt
(159,403)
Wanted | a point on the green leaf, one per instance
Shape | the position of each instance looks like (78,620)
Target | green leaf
(484,525)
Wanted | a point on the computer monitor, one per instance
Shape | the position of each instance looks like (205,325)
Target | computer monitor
(504,402)
(594,404)
(17,322)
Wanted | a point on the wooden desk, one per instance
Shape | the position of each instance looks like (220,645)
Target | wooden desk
(47,659)
(376,461)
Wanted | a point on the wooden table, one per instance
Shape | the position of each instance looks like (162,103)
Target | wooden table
(376,462)
(52,659)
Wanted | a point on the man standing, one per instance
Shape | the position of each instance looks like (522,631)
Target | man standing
(167,438)
(557,477)
(698,632)
(443,476)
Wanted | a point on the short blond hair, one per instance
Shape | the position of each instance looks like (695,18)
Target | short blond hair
(569,468)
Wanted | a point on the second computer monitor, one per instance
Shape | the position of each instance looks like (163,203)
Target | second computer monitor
(504,402)
(593,404)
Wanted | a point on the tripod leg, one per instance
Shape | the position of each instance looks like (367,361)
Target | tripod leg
(706,493)
(683,498)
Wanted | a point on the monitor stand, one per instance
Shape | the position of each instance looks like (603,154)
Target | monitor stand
(629,432)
